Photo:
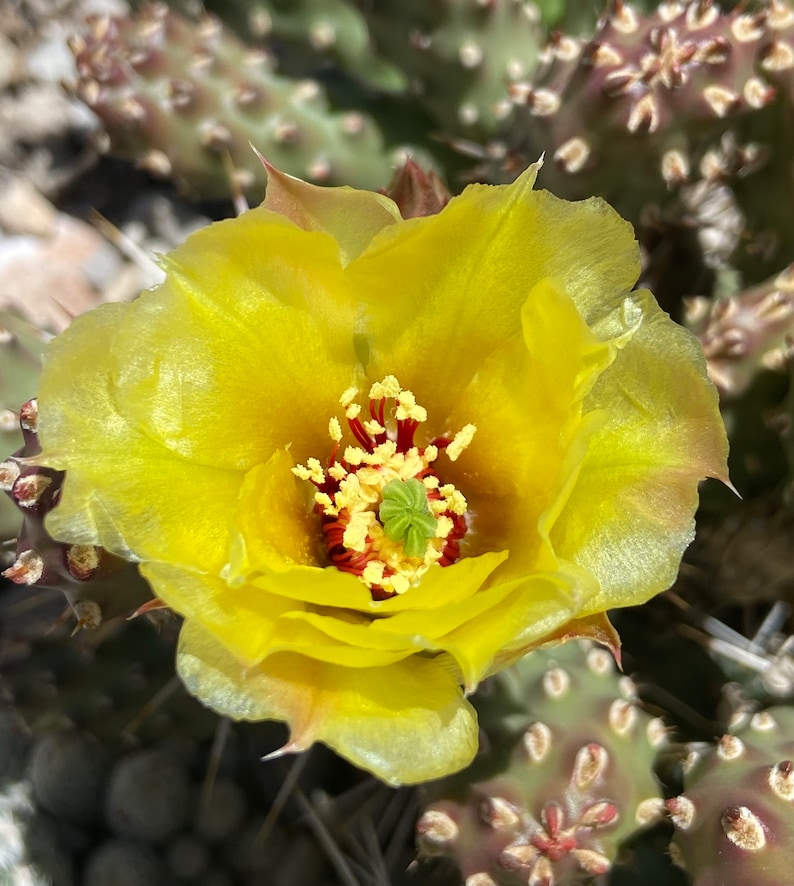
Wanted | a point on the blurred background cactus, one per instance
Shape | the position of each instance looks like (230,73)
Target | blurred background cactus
(126,125)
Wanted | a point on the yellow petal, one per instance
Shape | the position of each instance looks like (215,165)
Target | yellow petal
(274,528)
(431,730)
(350,216)
(123,491)
(252,624)
(221,379)
(447,290)
(438,588)
(631,512)
(242,618)
(526,403)
(505,619)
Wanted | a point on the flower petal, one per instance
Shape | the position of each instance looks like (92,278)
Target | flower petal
(274,528)
(447,290)
(513,616)
(242,618)
(350,216)
(252,625)
(526,404)
(123,491)
(330,587)
(431,729)
(631,512)
(210,384)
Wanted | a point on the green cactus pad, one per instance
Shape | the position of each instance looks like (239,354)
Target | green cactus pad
(188,99)
(575,782)
(735,820)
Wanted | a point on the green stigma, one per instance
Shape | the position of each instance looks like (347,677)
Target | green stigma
(406,517)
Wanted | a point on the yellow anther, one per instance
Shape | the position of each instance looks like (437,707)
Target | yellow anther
(443,526)
(374,428)
(437,506)
(431,482)
(312,470)
(399,583)
(457,503)
(348,397)
(384,452)
(431,454)
(413,464)
(326,503)
(359,488)
(409,409)
(337,472)
(317,473)
(373,573)
(354,455)
(460,441)
(356,531)
(352,411)
(453,499)
(381,390)
(335,429)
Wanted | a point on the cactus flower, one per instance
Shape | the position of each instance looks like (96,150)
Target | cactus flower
(373,460)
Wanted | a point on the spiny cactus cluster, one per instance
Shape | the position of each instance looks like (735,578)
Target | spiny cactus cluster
(95,583)
(643,105)
(744,333)
(459,57)
(312,34)
(21,347)
(733,823)
(100,683)
(187,99)
(649,102)
(556,801)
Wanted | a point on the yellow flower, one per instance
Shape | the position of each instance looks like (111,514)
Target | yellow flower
(371,461)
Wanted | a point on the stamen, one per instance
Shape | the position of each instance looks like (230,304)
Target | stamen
(386,516)
(460,441)
(388,389)
(335,429)
(348,397)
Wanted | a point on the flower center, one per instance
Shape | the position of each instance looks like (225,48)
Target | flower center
(386,515)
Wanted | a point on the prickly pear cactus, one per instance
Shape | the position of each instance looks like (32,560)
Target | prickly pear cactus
(554,802)
(313,33)
(746,333)
(642,106)
(461,56)
(21,349)
(96,584)
(734,821)
(187,99)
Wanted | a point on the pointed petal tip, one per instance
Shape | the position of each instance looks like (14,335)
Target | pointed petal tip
(290,747)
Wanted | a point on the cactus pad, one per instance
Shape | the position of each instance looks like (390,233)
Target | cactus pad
(734,820)
(186,99)
(575,784)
